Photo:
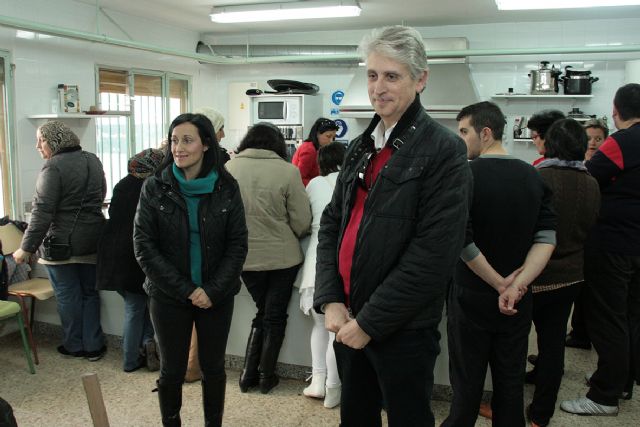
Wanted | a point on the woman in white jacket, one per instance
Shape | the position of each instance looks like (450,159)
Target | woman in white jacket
(325,382)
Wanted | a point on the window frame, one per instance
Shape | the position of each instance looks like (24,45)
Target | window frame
(10,137)
(133,145)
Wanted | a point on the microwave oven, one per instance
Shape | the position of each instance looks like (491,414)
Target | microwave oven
(280,110)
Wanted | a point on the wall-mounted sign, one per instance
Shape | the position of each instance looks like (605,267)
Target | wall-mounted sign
(336,97)
(342,128)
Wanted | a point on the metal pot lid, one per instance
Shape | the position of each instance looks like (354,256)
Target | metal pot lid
(569,70)
(578,77)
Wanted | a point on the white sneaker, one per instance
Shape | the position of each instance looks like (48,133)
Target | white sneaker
(626,395)
(332,397)
(316,388)
(586,406)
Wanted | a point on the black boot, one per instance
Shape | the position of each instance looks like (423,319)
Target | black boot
(250,376)
(213,400)
(170,398)
(268,359)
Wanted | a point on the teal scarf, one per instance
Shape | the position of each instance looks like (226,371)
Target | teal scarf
(192,190)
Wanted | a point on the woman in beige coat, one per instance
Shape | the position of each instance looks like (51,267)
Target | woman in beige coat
(278,213)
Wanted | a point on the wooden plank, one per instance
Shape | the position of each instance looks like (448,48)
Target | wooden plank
(95,401)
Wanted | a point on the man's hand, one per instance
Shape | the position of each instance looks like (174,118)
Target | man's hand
(336,316)
(200,299)
(21,256)
(352,335)
(507,281)
(508,299)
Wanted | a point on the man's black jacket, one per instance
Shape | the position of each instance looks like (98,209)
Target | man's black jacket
(412,229)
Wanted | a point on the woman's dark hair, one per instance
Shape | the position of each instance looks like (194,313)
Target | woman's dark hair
(541,121)
(264,136)
(211,158)
(330,157)
(320,126)
(566,140)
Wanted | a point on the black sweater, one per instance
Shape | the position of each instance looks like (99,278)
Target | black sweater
(511,210)
(616,166)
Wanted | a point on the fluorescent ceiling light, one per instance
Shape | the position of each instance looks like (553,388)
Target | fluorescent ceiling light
(25,34)
(284,11)
(561,4)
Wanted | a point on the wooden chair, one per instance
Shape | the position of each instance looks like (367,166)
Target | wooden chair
(9,310)
(34,288)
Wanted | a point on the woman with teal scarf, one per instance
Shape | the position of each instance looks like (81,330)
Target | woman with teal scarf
(190,238)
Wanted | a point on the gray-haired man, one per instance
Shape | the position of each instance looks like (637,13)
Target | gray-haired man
(389,240)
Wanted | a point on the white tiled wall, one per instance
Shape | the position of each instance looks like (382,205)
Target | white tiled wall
(43,63)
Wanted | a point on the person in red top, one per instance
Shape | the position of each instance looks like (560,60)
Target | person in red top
(538,124)
(612,263)
(322,133)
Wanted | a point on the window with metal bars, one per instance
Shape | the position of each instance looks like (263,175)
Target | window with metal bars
(140,105)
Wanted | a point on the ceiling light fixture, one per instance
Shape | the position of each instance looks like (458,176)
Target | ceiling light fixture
(284,11)
(561,4)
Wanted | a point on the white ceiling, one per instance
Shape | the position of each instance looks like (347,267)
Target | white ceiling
(194,14)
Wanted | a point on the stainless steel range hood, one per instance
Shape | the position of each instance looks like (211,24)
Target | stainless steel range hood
(449,85)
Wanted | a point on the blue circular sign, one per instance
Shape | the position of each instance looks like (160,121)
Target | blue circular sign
(342,128)
(337,96)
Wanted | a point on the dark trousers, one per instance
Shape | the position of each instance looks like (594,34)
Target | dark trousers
(397,371)
(271,291)
(613,303)
(578,324)
(550,314)
(479,336)
(173,325)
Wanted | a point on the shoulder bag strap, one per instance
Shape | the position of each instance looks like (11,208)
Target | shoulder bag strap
(86,189)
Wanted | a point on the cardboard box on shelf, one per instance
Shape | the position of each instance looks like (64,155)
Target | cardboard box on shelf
(69,98)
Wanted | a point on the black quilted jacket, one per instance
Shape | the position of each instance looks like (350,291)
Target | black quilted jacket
(161,239)
(60,187)
(411,232)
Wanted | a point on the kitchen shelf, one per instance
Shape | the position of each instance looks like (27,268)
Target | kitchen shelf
(542,96)
(62,116)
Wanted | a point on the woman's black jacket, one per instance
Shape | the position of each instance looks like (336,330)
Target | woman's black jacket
(117,268)
(161,239)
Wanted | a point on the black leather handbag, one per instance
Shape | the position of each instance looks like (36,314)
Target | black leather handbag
(55,251)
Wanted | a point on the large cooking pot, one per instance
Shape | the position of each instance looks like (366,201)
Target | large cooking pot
(577,82)
(544,80)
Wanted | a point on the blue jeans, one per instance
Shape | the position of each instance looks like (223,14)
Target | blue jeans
(78,305)
(137,328)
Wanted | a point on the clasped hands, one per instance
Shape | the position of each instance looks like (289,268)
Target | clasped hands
(511,293)
(200,299)
(347,330)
